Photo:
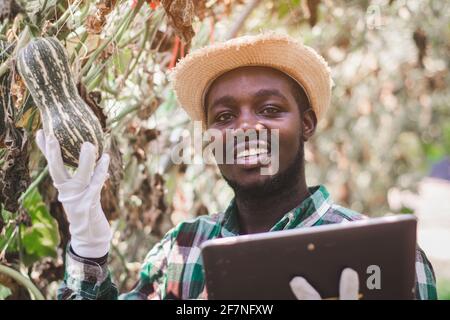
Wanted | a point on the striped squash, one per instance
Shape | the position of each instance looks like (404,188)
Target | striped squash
(44,67)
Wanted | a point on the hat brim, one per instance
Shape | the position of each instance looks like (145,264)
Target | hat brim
(194,73)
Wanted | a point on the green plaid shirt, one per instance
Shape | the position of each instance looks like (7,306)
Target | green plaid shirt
(173,269)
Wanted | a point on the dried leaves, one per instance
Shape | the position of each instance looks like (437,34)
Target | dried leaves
(14,174)
(95,23)
(180,14)
(9,9)
(162,41)
(140,137)
(147,110)
(200,9)
(108,52)
(152,212)
(18,90)
(145,206)
(93,100)
(47,271)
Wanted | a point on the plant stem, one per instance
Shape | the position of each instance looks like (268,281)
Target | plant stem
(123,113)
(31,119)
(95,81)
(63,19)
(10,239)
(158,17)
(23,40)
(240,21)
(130,40)
(34,184)
(92,80)
(40,13)
(130,15)
(123,261)
(4,26)
(19,244)
(108,89)
(93,73)
(4,67)
(24,281)
(78,47)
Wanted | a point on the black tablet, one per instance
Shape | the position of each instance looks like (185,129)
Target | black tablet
(260,266)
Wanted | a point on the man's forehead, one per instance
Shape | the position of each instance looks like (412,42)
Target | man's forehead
(268,76)
(250,72)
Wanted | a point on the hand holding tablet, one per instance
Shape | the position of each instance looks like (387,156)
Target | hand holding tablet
(367,259)
(348,287)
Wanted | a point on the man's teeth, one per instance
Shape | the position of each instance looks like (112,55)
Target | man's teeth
(251,152)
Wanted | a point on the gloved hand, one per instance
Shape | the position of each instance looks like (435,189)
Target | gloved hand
(80,196)
(348,287)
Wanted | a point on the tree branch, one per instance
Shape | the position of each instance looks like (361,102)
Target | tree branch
(234,30)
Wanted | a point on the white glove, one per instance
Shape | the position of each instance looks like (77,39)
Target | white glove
(80,196)
(348,287)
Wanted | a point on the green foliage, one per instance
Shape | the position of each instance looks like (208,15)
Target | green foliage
(41,239)
(443,287)
(38,240)
(8,241)
(286,6)
(5,292)
(122,59)
(437,149)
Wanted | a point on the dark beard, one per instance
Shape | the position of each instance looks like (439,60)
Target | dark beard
(281,181)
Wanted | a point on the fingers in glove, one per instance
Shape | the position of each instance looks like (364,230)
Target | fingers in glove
(83,196)
(99,177)
(40,141)
(86,163)
(49,146)
(303,290)
(349,285)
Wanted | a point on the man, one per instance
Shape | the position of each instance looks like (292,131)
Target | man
(265,82)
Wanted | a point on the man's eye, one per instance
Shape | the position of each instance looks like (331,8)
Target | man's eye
(270,110)
(224,117)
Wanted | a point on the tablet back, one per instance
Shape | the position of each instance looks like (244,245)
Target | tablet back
(260,266)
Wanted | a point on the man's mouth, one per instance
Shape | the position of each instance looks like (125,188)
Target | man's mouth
(251,153)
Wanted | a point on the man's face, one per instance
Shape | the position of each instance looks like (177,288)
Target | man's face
(256,98)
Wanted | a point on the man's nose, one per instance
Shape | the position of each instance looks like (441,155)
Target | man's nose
(249,121)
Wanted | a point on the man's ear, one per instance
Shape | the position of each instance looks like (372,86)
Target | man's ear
(309,122)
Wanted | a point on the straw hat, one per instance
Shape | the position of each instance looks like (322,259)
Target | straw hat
(194,73)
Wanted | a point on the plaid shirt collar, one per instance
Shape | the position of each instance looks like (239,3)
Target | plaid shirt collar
(306,214)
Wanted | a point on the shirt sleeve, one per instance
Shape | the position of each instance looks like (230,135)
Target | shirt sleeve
(425,277)
(86,279)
